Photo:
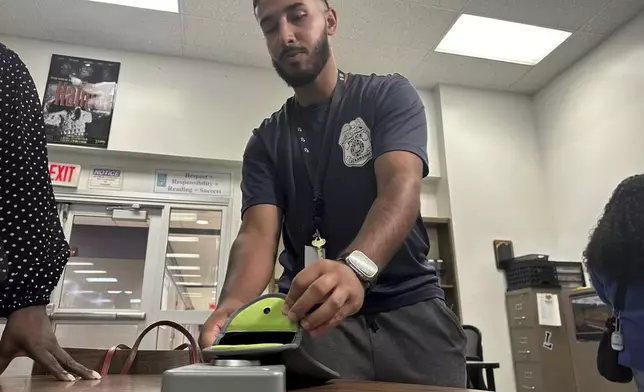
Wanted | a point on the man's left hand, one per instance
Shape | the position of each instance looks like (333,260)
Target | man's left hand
(334,286)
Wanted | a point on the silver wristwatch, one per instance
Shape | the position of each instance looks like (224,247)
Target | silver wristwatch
(362,266)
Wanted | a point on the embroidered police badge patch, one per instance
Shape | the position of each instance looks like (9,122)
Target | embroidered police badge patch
(355,140)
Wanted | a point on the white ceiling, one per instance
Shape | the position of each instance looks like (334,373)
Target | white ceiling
(380,36)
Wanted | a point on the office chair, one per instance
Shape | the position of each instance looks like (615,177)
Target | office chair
(474,353)
(474,347)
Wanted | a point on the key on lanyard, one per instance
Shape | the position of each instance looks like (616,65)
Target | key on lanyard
(318,243)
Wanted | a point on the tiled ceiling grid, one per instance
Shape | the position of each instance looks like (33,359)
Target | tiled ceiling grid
(380,36)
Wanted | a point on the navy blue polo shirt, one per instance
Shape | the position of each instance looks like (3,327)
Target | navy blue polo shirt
(377,114)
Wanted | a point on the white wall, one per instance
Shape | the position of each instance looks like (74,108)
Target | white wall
(496,187)
(592,134)
(183,107)
(190,108)
(170,105)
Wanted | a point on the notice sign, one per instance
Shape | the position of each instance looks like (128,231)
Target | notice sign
(105,178)
(64,174)
(193,183)
(548,309)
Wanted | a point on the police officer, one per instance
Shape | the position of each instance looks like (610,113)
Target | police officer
(337,172)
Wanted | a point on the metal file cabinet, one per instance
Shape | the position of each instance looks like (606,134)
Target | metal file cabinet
(541,354)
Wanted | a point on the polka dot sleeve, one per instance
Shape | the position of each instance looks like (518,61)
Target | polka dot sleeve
(33,248)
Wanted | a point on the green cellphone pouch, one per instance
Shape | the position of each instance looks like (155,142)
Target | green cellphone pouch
(259,331)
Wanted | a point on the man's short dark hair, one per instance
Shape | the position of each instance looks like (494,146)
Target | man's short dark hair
(256,3)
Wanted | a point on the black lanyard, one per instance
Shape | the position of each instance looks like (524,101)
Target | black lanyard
(317,174)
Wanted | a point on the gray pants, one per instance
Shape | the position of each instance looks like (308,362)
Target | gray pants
(417,344)
(638,375)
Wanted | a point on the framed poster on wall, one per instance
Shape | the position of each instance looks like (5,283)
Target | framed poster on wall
(79,100)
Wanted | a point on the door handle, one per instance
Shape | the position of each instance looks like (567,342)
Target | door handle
(99,316)
(526,352)
(522,318)
(130,316)
(94,316)
(131,207)
(528,388)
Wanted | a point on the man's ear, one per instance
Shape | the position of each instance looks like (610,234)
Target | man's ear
(332,21)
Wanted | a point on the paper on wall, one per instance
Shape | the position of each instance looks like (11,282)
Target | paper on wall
(548,308)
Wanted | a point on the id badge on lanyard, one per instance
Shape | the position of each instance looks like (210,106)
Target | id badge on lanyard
(316,249)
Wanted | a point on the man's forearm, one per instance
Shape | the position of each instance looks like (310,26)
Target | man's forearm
(388,223)
(250,267)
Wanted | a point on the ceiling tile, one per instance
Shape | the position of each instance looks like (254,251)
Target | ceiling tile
(230,10)
(466,71)
(356,57)
(616,14)
(559,60)
(21,18)
(225,42)
(392,22)
(568,15)
(209,33)
(228,56)
(105,25)
(454,5)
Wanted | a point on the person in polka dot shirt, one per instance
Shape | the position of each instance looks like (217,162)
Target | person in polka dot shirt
(33,249)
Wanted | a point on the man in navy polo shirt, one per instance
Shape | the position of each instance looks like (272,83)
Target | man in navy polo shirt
(337,172)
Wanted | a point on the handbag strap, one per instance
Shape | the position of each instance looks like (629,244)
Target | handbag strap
(197,356)
(193,356)
(107,362)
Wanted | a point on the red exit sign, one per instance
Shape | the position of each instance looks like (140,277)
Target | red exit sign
(64,174)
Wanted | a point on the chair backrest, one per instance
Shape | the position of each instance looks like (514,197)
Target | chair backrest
(474,347)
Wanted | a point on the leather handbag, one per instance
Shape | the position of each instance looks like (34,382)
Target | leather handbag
(607,357)
(122,359)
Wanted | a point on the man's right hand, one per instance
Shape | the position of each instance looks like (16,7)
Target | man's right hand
(212,327)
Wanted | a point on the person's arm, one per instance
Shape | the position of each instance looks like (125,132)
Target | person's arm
(399,145)
(252,255)
(35,249)
(32,245)
(394,211)
(399,142)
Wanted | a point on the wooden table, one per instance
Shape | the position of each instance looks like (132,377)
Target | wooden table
(153,384)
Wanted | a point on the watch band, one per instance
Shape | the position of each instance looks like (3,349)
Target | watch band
(366,284)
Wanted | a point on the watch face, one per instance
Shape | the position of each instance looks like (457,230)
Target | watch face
(363,264)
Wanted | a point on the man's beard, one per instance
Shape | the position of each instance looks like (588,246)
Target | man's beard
(320,56)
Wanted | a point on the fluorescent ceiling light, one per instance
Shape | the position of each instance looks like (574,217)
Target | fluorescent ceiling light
(135,301)
(80,263)
(183,239)
(101,280)
(77,292)
(494,39)
(156,5)
(189,284)
(196,295)
(114,292)
(186,276)
(183,255)
(202,222)
(102,301)
(98,272)
(183,268)
(128,292)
